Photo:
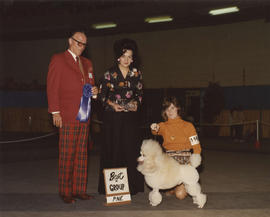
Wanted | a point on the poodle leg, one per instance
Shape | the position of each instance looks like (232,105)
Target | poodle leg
(155,197)
(195,191)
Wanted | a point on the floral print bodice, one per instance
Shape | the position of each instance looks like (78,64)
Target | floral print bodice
(120,90)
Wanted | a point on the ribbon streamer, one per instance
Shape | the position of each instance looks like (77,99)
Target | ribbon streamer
(85,106)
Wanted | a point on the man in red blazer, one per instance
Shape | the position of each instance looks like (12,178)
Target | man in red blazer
(68,75)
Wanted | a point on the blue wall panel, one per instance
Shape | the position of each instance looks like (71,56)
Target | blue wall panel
(23,99)
(249,97)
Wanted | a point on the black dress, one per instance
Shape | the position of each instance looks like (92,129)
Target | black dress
(121,134)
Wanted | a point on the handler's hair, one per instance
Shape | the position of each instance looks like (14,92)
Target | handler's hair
(121,46)
(167,101)
(72,32)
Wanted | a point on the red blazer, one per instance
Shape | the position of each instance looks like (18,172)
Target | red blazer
(65,84)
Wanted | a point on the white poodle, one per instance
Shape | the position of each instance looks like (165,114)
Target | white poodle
(163,172)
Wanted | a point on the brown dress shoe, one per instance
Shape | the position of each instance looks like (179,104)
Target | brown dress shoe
(68,199)
(83,196)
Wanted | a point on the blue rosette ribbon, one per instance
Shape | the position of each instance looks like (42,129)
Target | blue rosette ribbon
(85,106)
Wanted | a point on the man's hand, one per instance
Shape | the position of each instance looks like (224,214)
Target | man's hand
(94,91)
(57,120)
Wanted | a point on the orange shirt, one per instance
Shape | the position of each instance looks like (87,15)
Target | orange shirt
(179,135)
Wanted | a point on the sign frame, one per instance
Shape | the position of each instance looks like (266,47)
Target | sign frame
(118,178)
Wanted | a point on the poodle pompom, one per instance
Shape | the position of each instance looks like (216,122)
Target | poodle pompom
(195,160)
(155,198)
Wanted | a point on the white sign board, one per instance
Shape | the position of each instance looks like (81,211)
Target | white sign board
(116,186)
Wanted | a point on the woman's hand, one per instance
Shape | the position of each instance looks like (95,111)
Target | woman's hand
(116,107)
(154,127)
(133,106)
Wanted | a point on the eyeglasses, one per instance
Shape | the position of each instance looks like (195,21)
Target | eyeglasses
(80,44)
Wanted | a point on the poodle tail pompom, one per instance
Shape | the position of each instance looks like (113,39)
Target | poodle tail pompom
(195,160)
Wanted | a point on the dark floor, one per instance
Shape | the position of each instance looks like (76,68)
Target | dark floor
(235,177)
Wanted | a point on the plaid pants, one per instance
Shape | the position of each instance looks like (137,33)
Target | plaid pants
(72,177)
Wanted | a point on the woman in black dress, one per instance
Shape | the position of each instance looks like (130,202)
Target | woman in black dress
(121,94)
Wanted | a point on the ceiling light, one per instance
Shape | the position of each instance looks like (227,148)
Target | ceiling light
(224,10)
(158,19)
(104,25)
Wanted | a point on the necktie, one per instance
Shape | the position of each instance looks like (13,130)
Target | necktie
(81,68)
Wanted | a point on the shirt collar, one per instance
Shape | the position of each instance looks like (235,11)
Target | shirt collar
(177,119)
(73,55)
